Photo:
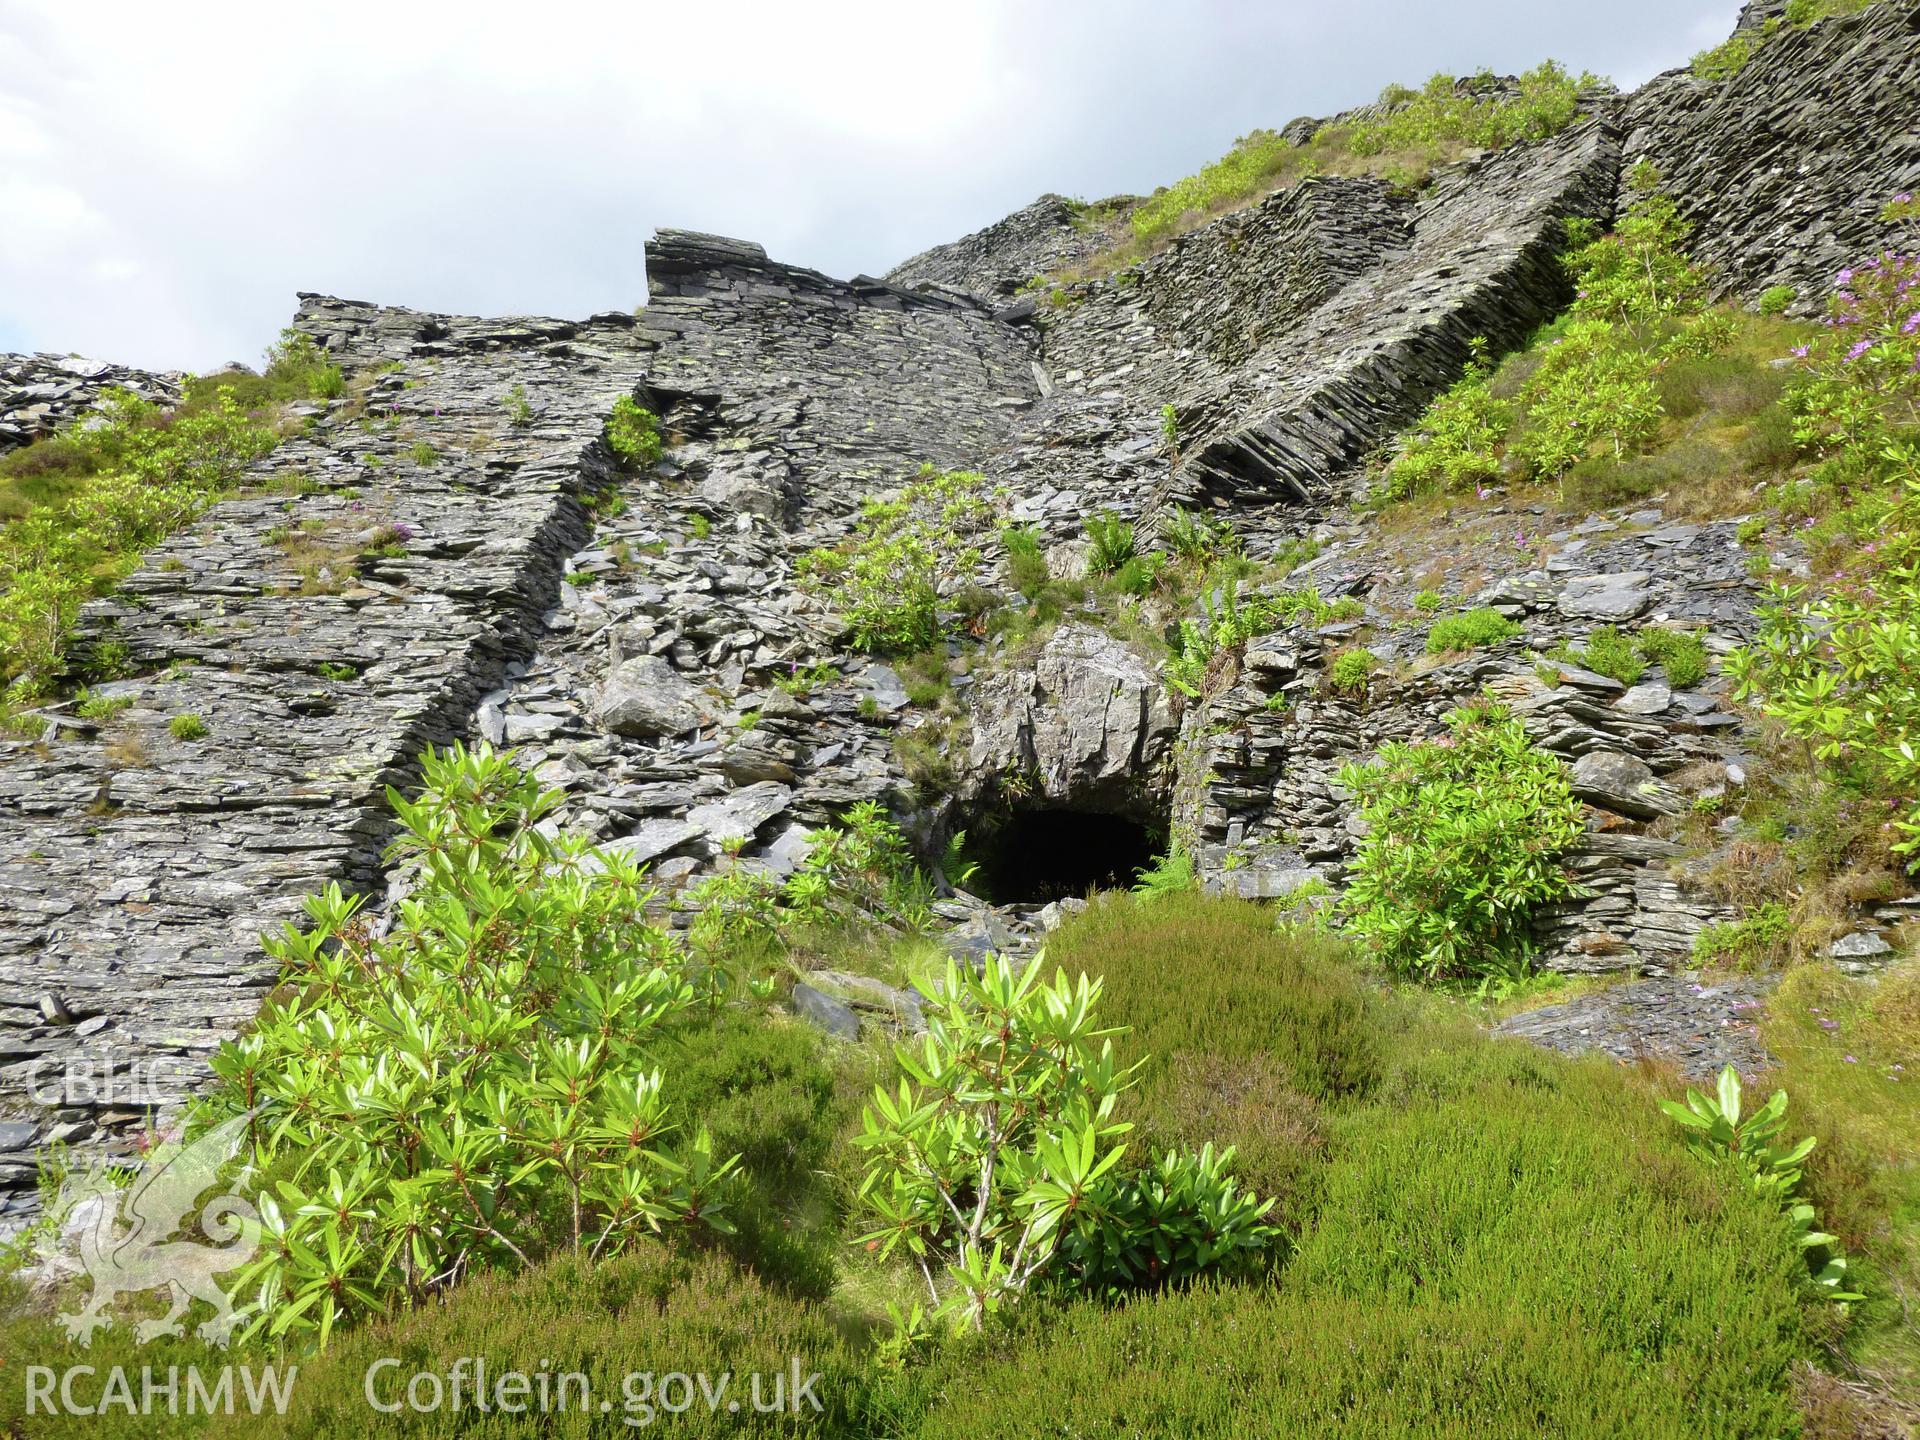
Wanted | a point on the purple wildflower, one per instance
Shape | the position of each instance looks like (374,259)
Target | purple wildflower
(1912,325)
(1860,347)
(1799,352)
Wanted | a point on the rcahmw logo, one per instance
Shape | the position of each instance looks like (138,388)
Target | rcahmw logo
(177,1390)
(126,1237)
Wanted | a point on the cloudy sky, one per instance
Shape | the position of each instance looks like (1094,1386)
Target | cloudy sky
(171,174)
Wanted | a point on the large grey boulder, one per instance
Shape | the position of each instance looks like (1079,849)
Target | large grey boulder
(653,838)
(825,1012)
(739,814)
(1623,784)
(1086,723)
(1606,597)
(645,696)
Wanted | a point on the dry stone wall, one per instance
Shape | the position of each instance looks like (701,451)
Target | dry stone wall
(142,868)
(809,391)
(1783,168)
(40,394)
(1482,261)
(1291,338)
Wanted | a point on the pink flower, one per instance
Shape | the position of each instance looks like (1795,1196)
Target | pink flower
(1843,277)
(1850,1060)
(1799,352)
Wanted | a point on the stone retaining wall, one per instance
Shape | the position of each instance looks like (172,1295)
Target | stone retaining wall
(1783,168)
(40,394)
(142,868)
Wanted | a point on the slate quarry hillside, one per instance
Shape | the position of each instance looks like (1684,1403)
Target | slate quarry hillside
(620,648)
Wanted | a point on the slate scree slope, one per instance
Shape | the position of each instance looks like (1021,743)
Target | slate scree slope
(1292,339)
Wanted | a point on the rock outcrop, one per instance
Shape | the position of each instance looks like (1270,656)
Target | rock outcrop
(1086,725)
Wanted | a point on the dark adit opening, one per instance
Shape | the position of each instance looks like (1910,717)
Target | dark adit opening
(1039,855)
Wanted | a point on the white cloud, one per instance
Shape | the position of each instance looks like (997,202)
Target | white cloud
(169,176)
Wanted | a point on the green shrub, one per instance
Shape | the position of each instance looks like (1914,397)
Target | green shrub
(1280,1001)
(1433,124)
(1139,575)
(773,1093)
(100,707)
(1170,874)
(296,369)
(1195,539)
(423,453)
(1808,12)
(1733,386)
(854,869)
(1235,178)
(997,1162)
(888,579)
(1456,444)
(1429,601)
(141,474)
(1463,841)
(1726,59)
(1587,395)
(1352,671)
(476,1088)
(1639,272)
(1837,669)
(633,432)
(1474,111)
(1026,563)
(1756,939)
(1469,630)
(1775,299)
(1228,623)
(1590,394)
(1663,1304)
(187,727)
(1718,1130)
(519,412)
